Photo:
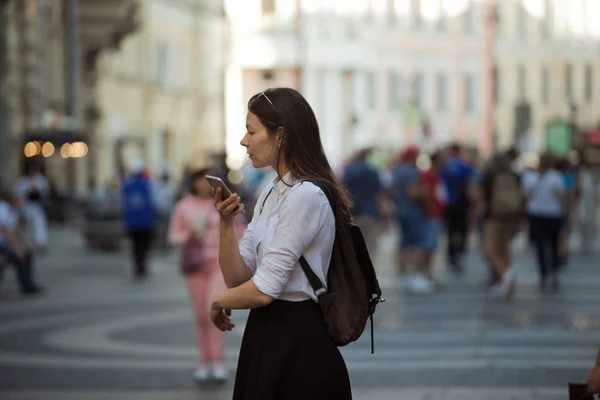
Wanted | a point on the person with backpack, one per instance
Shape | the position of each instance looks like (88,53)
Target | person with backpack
(503,208)
(546,198)
(139,216)
(300,267)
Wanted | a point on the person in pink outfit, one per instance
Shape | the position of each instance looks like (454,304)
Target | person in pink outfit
(195,220)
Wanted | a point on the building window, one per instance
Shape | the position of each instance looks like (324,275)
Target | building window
(441,92)
(370,81)
(161,64)
(522,82)
(495,85)
(417,90)
(546,22)
(268,6)
(442,21)
(545,86)
(395,90)
(417,14)
(569,82)
(589,84)
(469,93)
(468,18)
(521,19)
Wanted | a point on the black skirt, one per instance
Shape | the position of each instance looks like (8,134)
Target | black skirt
(287,354)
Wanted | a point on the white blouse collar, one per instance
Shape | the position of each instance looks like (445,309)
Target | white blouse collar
(281,185)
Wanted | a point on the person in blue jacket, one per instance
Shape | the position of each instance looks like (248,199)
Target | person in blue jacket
(139,216)
(457,175)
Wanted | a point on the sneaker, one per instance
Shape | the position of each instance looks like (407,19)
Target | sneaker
(421,285)
(219,371)
(202,374)
(509,282)
(497,291)
(33,291)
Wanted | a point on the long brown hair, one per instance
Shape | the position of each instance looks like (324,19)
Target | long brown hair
(301,146)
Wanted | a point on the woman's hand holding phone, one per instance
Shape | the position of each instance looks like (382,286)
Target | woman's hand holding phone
(228,208)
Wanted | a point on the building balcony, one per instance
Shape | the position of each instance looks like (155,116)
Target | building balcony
(104,23)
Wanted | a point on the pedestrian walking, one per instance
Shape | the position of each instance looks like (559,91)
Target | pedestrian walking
(14,248)
(365,189)
(457,177)
(165,192)
(503,205)
(434,210)
(33,189)
(286,351)
(563,166)
(194,227)
(139,216)
(588,189)
(546,196)
(410,198)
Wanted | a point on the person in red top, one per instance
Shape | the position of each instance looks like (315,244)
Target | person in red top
(433,208)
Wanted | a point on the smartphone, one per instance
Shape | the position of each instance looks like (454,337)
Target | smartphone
(216,183)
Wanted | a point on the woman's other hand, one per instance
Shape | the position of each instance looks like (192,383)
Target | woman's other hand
(220,318)
(228,208)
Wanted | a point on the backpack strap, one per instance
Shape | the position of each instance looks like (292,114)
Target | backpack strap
(265,200)
(317,286)
(314,280)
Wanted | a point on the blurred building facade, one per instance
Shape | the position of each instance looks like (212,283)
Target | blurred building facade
(546,68)
(394,72)
(147,78)
(50,80)
(161,93)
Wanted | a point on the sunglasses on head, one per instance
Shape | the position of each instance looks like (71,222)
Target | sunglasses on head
(263,93)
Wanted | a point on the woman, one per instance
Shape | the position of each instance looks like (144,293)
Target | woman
(195,222)
(546,194)
(286,352)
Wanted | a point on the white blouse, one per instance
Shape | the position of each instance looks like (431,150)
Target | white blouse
(296,220)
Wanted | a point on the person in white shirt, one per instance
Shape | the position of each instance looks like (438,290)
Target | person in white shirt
(286,352)
(33,189)
(164,192)
(14,249)
(546,193)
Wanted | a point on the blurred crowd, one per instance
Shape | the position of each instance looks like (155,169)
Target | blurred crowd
(452,194)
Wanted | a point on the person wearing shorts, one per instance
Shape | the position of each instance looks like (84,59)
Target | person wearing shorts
(409,196)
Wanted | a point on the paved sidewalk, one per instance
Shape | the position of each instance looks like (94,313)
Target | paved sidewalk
(99,335)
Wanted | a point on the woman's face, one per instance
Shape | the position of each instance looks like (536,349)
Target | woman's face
(260,145)
(202,187)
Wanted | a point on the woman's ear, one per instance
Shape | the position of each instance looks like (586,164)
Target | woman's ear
(280,133)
